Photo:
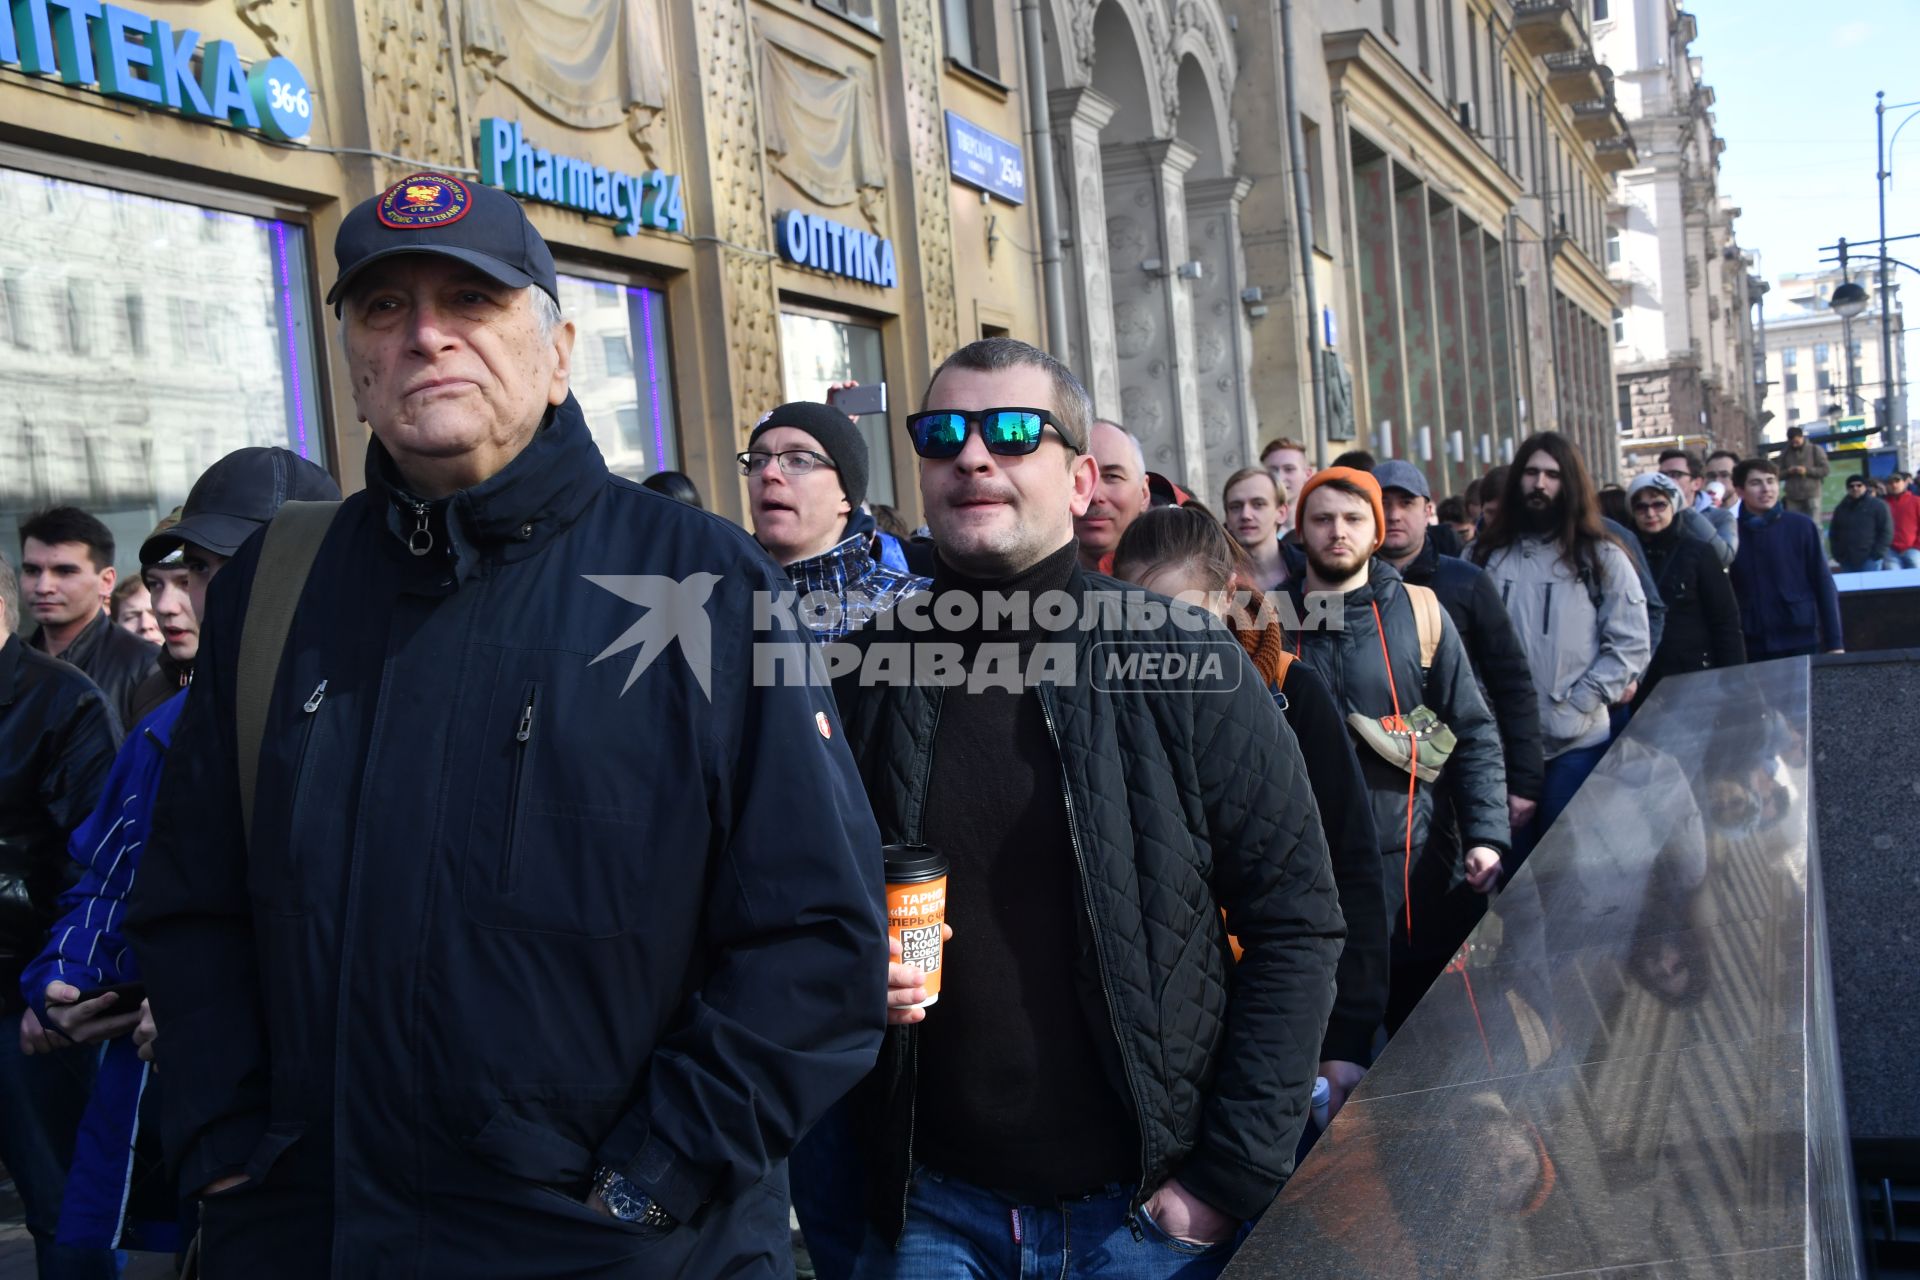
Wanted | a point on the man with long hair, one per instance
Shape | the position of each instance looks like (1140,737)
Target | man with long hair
(1578,606)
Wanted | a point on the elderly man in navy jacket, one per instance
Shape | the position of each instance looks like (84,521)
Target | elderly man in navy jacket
(554,927)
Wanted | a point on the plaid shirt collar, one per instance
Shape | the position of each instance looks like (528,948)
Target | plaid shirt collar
(848,574)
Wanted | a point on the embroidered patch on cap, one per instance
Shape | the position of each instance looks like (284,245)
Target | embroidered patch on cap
(825,725)
(424,200)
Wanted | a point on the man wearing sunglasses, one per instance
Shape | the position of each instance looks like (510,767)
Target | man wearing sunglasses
(1092,1083)
(806,470)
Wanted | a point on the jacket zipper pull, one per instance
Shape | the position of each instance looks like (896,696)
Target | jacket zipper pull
(312,704)
(420,541)
(525,731)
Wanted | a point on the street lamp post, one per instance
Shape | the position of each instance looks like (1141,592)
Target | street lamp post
(1891,379)
(1847,302)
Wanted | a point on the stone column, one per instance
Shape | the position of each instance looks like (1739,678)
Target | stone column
(1152,310)
(1078,117)
(1222,340)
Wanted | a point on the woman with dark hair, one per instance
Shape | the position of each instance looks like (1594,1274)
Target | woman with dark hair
(1703,618)
(676,485)
(1186,553)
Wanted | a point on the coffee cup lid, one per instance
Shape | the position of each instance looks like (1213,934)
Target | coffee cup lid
(909,863)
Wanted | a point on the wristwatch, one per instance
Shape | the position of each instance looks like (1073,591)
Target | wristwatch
(628,1203)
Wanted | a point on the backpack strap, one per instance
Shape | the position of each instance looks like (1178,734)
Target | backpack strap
(286,557)
(1426,619)
(1286,665)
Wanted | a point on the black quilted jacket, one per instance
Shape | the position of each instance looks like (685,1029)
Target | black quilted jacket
(1180,804)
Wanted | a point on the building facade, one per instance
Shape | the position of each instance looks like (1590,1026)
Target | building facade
(1821,367)
(748,200)
(1683,330)
(1456,168)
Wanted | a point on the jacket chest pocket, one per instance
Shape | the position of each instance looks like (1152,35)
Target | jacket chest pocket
(538,860)
(277,869)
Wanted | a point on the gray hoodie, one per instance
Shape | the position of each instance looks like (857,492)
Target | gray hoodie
(1582,657)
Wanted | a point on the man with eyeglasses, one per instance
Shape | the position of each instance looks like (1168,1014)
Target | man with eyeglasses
(806,469)
(1696,516)
(1096,1086)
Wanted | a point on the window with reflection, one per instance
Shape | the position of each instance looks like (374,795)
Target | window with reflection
(822,350)
(622,373)
(142,339)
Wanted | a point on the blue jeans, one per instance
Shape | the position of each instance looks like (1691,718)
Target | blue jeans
(41,1101)
(824,1181)
(1908,559)
(957,1230)
(1870,565)
(1564,774)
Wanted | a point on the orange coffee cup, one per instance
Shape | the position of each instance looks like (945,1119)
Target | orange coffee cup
(917,908)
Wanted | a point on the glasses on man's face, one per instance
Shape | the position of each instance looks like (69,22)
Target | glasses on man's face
(793,462)
(942,433)
(1682,474)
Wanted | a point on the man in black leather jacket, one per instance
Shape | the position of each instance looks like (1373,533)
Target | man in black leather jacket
(67,572)
(57,740)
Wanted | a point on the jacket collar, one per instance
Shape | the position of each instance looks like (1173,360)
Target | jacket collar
(1761,518)
(83,644)
(511,514)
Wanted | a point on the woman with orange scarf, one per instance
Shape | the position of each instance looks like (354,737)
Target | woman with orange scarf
(1184,552)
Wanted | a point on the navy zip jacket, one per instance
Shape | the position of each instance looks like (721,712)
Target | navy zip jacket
(541,879)
(1787,599)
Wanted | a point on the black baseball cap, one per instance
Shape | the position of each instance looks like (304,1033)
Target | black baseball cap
(235,496)
(481,226)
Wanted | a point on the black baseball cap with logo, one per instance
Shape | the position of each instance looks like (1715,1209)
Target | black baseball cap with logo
(438,213)
(235,496)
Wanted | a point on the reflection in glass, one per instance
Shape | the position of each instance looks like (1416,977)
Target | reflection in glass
(141,339)
(622,374)
(821,351)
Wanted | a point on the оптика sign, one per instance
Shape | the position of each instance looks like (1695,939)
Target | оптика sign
(632,200)
(809,240)
(128,55)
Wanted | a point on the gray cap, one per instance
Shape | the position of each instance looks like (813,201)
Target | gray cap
(1395,474)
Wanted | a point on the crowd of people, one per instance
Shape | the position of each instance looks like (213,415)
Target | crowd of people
(466,877)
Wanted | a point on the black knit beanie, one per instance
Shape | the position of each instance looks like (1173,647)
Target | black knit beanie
(839,439)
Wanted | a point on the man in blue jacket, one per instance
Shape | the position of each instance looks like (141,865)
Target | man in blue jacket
(555,925)
(1788,605)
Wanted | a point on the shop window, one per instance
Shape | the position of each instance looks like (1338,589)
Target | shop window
(971,36)
(115,399)
(625,382)
(822,349)
(860,11)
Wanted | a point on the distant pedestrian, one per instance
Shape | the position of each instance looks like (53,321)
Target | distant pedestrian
(133,610)
(1860,531)
(1120,496)
(1576,601)
(1788,605)
(677,485)
(1703,619)
(1256,512)
(1286,461)
(1699,516)
(1904,505)
(1803,467)
(67,578)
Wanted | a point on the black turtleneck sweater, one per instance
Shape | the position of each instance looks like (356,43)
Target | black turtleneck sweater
(1013,1091)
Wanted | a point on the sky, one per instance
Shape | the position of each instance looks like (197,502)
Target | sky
(1794,82)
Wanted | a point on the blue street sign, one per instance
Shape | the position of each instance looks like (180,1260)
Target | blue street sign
(984,160)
